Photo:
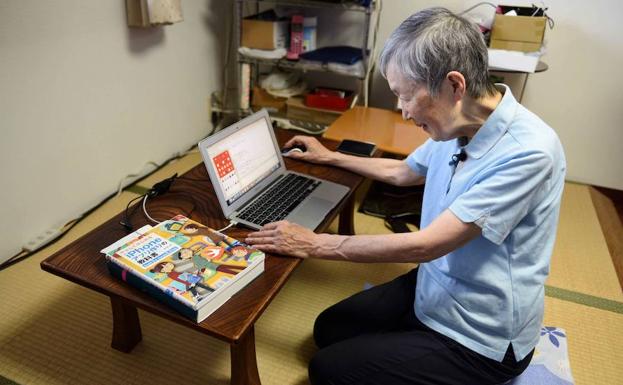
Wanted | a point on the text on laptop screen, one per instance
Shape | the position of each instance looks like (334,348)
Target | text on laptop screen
(243,158)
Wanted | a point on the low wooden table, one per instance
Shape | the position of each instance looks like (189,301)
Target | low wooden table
(81,262)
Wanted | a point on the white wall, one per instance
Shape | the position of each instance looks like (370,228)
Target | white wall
(579,96)
(84,101)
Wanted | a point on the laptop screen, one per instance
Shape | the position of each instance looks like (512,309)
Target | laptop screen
(241,160)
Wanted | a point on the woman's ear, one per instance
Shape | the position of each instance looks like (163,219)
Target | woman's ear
(456,81)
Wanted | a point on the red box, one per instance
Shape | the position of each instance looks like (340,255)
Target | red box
(330,99)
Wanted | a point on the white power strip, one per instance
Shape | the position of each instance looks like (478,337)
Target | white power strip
(42,239)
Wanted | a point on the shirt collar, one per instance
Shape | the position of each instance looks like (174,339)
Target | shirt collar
(495,126)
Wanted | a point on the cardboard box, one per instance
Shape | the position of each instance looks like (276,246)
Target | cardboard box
(299,111)
(264,34)
(518,33)
(262,99)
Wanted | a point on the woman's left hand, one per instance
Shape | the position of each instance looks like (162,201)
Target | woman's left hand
(285,238)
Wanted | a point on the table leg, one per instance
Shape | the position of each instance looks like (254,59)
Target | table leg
(243,362)
(346,224)
(126,328)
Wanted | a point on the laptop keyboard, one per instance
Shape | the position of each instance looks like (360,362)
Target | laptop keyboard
(278,201)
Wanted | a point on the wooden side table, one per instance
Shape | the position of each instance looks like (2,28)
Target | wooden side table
(386,128)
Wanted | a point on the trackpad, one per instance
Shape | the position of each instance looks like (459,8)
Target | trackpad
(311,212)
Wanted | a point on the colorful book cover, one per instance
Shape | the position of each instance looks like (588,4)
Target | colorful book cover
(185,264)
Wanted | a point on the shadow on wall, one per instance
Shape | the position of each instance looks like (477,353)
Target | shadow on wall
(381,95)
(143,39)
(218,21)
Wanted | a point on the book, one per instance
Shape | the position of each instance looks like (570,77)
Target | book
(184,264)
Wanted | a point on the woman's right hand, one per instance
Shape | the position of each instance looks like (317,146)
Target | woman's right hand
(314,152)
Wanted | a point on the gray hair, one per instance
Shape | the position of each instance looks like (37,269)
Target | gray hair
(431,43)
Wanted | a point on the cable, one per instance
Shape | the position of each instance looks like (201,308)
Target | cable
(73,222)
(231,223)
(543,9)
(13,259)
(159,188)
(120,187)
(478,5)
(126,217)
(145,210)
(157,166)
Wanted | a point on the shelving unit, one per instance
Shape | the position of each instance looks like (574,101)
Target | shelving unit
(257,65)
(295,65)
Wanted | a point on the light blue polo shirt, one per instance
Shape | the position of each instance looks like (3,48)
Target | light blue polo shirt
(489,293)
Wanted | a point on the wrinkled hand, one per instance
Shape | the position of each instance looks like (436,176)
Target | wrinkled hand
(315,151)
(285,238)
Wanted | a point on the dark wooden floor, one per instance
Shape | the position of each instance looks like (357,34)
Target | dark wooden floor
(609,207)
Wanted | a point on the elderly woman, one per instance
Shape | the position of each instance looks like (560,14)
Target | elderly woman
(494,172)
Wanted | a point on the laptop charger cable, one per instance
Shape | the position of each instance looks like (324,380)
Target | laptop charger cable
(157,189)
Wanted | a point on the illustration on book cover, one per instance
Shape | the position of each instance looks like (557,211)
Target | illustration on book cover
(186,258)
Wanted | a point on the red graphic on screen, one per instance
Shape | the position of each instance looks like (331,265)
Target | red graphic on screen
(223,164)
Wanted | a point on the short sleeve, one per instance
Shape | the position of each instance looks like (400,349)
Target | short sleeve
(419,159)
(504,194)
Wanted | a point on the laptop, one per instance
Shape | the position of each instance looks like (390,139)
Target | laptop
(250,179)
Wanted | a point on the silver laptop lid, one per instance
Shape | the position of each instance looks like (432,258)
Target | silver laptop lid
(241,160)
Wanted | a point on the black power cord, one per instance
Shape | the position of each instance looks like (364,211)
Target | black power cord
(161,187)
(125,222)
(158,189)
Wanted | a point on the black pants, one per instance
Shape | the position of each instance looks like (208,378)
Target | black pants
(374,337)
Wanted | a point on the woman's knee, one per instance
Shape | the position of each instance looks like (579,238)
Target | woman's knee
(322,329)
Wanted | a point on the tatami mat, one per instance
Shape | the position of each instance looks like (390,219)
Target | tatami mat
(55,332)
(594,340)
(581,260)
